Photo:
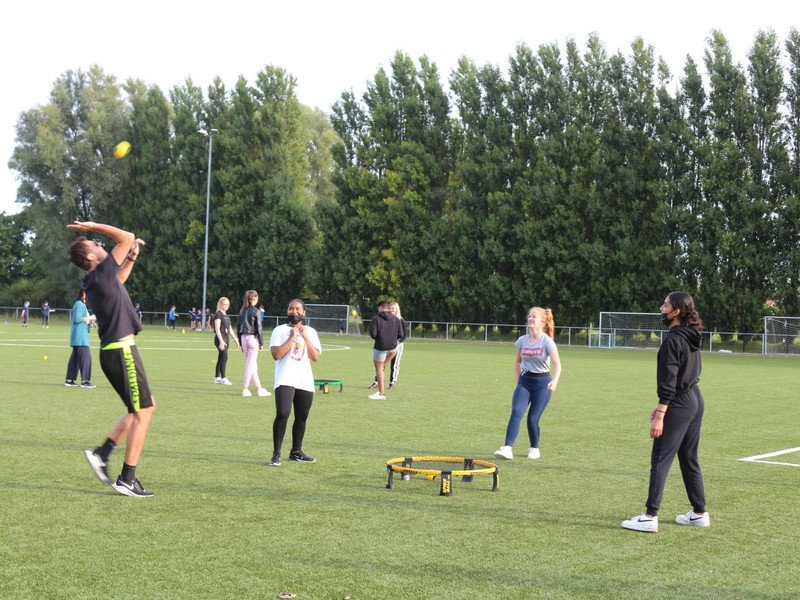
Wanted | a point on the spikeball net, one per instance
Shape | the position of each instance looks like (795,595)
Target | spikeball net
(432,467)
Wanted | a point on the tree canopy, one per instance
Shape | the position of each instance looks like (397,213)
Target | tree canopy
(575,179)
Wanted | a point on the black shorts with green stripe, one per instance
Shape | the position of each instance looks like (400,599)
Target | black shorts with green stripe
(123,367)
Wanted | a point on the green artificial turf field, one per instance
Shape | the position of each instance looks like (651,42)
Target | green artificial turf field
(223,524)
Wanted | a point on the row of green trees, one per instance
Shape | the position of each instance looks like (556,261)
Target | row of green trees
(577,179)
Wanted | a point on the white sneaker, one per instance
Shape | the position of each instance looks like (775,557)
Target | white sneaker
(534,453)
(225,381)
(505,452)
(693,518)
(641,523)
(246,393)
(217,380)
(263,392)
(376,396)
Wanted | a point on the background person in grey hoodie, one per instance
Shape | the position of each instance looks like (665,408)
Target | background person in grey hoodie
(676,420)
(387,331)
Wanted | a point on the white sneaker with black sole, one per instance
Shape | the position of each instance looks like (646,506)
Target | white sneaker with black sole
(695,519)
(641,523)
(133,488)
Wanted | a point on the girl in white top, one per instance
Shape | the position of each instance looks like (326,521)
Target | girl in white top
(294,346)
(537,368)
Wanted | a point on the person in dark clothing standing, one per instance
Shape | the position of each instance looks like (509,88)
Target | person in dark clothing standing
(676,420)
(222,335)
(46,310)
(25,312)
(387,331)
(106,274)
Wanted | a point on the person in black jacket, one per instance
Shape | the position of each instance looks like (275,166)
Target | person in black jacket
(387,331)
(394,367)
(676,420)
(251,342)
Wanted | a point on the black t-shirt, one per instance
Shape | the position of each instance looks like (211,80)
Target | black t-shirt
(116,317)
(224,327)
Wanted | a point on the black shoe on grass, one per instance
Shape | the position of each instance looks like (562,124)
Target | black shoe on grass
(275,461)
(300,456)
(134,488)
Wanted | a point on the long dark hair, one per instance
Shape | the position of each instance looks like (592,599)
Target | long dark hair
(688,313)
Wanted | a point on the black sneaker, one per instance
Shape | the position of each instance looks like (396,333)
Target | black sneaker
(71,383)
(99,466)
(391,386)
(88,384)
(134,488)
(300,456)
(275,461)
(373,385)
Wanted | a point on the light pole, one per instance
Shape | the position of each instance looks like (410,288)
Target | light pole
(210,137)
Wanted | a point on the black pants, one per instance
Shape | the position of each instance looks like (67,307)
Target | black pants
(222,362)
(285,398)
(682,437)
(80,360)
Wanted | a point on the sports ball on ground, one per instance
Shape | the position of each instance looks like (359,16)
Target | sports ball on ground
(121,150)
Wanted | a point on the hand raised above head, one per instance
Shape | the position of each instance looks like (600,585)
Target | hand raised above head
(81,225)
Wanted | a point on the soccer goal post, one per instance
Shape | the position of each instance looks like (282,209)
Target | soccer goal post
(628,330)
(329,318)
(781,335)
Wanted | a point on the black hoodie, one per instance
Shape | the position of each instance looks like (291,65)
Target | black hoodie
(678,363)
(387,331)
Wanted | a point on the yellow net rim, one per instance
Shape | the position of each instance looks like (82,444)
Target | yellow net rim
(395,464)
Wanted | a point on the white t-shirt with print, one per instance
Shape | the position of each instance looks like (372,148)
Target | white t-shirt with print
(294,369)
(535,355)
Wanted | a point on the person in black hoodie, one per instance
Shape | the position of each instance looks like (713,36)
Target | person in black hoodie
(676,420)
(387,331)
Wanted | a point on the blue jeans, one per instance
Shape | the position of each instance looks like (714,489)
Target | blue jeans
(533,392)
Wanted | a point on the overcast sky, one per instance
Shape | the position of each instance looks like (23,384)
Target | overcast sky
(330,46)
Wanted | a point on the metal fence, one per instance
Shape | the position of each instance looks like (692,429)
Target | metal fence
(587,335)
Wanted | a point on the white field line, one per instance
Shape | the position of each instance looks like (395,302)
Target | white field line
(325,347)
(759,458)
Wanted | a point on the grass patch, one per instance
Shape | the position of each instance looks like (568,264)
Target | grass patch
(225,525)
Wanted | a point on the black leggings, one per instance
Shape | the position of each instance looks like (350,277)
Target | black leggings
(222,362)
(285,398)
